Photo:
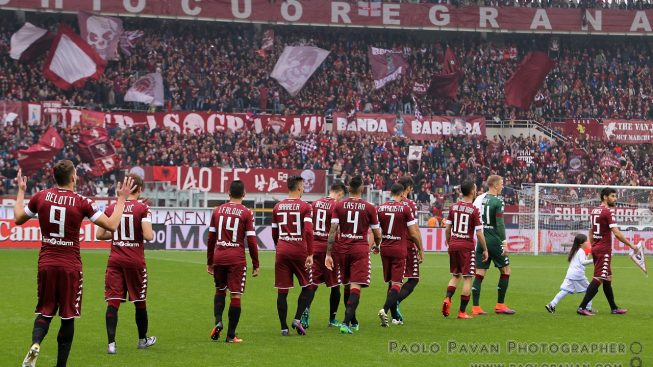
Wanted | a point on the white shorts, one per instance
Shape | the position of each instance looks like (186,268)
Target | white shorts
(574,285)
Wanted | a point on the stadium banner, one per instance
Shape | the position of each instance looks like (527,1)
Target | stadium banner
(628,131)
(589,128)
(366,14)
(435,127)
(180,229)
(367,123)
(217,180)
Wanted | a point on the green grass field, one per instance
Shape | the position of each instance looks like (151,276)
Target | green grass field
(181,316)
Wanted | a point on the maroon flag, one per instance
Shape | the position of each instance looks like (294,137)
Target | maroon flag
(387,65)
(522,86)
(30,42)
(268,40)
(95,147)
(445,84)
(38,155)
(588,128)
(71,61)
(102,33)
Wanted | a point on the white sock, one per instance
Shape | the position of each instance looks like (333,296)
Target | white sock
(589,305)
(558,297)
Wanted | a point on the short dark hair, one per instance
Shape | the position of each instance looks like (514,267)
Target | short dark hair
(397,189)
(355,184)
(237,189)
(293,182)
(467,187)
(63,172)
(406,182)
(607,191)
(338,186)
(138,181)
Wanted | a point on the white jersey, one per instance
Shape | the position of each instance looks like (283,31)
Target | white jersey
(478,203)
(577,265)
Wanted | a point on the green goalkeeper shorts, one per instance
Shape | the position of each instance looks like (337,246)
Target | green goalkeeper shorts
(495,250)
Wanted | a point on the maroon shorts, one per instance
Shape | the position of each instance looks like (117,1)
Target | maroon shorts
(231,277)
(59,289)
(412,263)
(125,283)
(602,264)
(355,268)
(393,268)
(287,266)
(462,262)
(323,275)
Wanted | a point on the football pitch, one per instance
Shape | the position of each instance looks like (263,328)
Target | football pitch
(180,304)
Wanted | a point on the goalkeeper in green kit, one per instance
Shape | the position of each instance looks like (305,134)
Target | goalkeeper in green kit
(491,207)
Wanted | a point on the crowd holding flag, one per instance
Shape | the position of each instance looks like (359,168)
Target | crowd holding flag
(30,42)
(521,88)
(147,89)
(296,65)
(35,157)
(445,83)
(387,65)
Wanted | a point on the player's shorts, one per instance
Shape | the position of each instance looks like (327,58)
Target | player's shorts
(231,277)
(412,263)
(462,262)
(125,283)
(495,250)
(574,285)
(331,278)
(355,268)
(287,266)
(393,268)
(602,264)
(59,289)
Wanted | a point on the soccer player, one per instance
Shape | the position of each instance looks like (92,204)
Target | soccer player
(232,224)
(463,221)
(414,255)
(602,227)
(292,232)
(322,209)
(126,270)
(494,230)
(60,213)
(398,225)
(352,218)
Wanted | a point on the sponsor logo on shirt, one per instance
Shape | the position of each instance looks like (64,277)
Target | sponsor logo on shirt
(126,244)
(58,242)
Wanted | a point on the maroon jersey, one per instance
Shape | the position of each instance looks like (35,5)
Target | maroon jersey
(602,221)
(232,224)
(322,223)
(412,205)
(355,217)
(394,218)
(465,220)
(60,215)
(288,216)
(127,248)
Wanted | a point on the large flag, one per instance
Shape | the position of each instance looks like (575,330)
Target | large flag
(102,33)
(95,148)
(387,65)
(71,61)
(639,259)
(296,65)
(38,155)
(148,89)
(445,84)
(30,42)
(522,86)
(266,43)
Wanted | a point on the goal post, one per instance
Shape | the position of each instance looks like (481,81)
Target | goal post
(552,214)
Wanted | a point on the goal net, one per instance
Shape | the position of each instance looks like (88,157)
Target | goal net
(550,215)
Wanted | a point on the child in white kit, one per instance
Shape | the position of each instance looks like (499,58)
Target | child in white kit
(575,280)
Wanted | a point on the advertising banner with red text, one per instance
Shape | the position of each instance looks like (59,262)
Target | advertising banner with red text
(367,14)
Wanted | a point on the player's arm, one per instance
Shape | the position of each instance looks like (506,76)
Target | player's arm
(416,236)
(308,234)
(501,226)
(20,215)
(210,244)
(376,228)
(620,236)
(102,234)
(252,244)
(331,239)
(146,224)
(111,223)
(275,227)
(590,235)
(447,226)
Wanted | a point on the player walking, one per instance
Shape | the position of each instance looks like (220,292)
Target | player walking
(495,236)
(398,225)
(602,227)
(292,232)
(60,213)
(322,209)
(232,225)
(126,272)
(463,221)
(353,218)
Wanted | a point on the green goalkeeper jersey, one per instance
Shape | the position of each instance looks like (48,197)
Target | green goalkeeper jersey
(494,228)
